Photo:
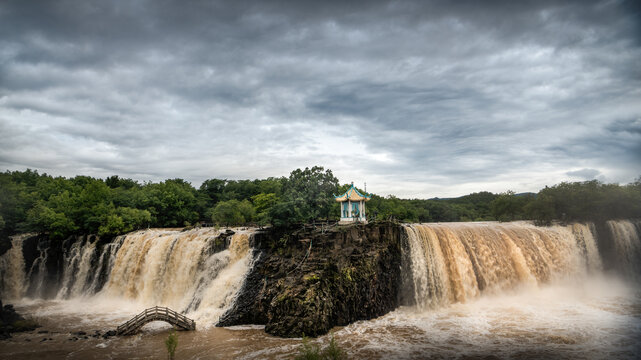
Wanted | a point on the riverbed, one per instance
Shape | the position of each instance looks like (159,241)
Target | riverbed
(591,319)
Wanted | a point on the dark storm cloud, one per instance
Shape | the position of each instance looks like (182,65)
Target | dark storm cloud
(427,97)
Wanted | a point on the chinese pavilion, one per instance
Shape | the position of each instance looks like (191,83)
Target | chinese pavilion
(353,205)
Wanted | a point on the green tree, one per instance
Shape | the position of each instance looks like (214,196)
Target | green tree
(212,190)
(263,203)
(310,192)
(115,182)
(44,219)
(172,203)
(508,206)
(14,203)
(285,214)
(228,213)
(247,210)
(541,210)
(122,220)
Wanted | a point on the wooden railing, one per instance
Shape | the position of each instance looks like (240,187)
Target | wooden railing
(156,313)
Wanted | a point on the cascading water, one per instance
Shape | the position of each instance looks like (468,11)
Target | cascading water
(199,272)
(627,246)
(78,266)
(38,272)
(181,270)
(12,274)
(456,262)
(105,263)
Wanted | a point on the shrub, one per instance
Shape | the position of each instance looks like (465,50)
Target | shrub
(309,351)
(171,343)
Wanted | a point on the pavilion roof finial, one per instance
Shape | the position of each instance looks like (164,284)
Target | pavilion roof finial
(353,195)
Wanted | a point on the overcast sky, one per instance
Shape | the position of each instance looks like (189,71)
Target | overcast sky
(418,99)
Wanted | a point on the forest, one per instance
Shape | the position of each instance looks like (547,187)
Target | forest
(59,206)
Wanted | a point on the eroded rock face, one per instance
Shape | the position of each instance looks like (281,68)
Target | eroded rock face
(307,281)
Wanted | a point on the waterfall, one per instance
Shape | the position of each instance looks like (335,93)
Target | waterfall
(584,234)
(627,246)
(199,272)
(105,264)
(12,270)
(456,262)
(193,271)
(179,270)
(37,274)
(78,264)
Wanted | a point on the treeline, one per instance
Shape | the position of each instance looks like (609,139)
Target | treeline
(33,202)
(575,201)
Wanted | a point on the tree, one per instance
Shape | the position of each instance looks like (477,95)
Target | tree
(44,219)
(228,213)
(263,203)
(171,203)
(285,214)
(541,210)
(311,192)
(122,220)
(247,210)
(115,182)
(14,203)
(508,206)
(212,189)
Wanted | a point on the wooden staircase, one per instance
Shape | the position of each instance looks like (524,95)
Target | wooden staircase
(156,313)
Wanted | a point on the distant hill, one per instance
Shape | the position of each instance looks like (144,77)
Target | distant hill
(467,197)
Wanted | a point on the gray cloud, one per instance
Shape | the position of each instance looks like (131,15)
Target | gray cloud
(421,99)
(586,174)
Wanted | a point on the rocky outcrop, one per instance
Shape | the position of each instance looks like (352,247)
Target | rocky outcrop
(5,244)
(11,321)
(307,281)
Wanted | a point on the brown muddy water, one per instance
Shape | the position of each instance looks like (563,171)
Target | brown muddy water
(592,319)
(477,290)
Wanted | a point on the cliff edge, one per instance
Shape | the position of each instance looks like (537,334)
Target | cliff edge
(307,281)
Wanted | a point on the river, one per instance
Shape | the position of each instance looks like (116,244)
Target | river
(473,290)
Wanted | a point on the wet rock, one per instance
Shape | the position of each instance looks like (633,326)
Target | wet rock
(11,321)
(5,245)
(8,315)
(351,273)
(109,334)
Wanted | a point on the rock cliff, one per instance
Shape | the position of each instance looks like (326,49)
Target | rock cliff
(307,281)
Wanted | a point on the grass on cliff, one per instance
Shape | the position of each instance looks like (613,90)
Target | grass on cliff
(310,351)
